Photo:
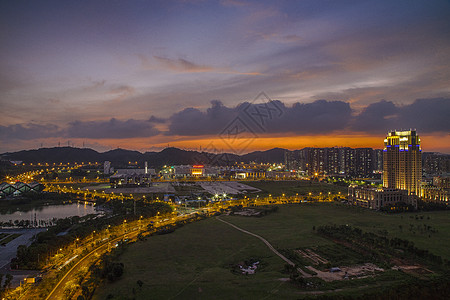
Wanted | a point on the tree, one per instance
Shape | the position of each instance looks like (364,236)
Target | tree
(8,280)
(85,291)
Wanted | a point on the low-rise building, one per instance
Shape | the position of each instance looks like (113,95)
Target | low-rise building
(132,178)
(376,198)
(250,174)
(19,188)
(129,180)
(435,193)
(195,171)
(280,175)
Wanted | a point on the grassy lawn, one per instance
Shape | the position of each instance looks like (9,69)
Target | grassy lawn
(8,239)
(291,188)
(292,226)
(194,261)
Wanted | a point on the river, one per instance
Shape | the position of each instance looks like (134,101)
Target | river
(51,212)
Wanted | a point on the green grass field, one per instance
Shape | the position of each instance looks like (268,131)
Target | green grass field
(195,261)
(9,238)
(292,226)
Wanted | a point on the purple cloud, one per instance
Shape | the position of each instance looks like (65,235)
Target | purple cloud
(114,129)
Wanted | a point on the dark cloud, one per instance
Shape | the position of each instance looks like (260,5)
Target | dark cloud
(274,117)
(154,119)
(307,118)
(28,131)
(114,129)
(426,115)
(320,116)
(193,122)
(379,114)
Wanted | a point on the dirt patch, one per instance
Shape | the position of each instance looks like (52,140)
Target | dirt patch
(311,255)
(409,267)
(413,269)
(248,212)
(352,272)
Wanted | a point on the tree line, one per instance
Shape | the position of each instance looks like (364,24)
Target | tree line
(380,247)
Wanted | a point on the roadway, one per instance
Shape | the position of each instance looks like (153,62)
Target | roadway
(89,259)
(85,262)
(9,251)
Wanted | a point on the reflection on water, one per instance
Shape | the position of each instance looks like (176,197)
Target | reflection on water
(51,212)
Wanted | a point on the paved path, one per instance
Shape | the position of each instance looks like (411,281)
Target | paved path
(262,239)
(9,251)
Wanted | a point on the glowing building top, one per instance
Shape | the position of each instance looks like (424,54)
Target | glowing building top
(402,161)
(404,140)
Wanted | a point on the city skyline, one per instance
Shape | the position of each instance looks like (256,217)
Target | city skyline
(143,75)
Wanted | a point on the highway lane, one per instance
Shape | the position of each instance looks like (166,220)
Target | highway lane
(86,261)
(89,259)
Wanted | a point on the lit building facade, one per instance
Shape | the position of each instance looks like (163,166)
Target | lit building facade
(402,161)
(376,198)
(195,171)
(435,193)
(132,177)
(107,167)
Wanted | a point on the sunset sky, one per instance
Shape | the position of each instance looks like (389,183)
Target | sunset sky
(223,75)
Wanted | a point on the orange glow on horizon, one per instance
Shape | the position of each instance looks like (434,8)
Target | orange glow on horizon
(291,143)
(214,144)
(429,143)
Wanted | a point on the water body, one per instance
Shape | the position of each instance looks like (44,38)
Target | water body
(51,212)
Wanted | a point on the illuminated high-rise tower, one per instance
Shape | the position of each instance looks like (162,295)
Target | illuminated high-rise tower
(402,161)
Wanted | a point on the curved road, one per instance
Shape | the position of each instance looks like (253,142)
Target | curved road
(58,290)
(262,239)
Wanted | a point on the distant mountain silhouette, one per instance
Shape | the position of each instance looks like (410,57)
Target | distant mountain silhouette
(122,157)
(54,155)
(275,155)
